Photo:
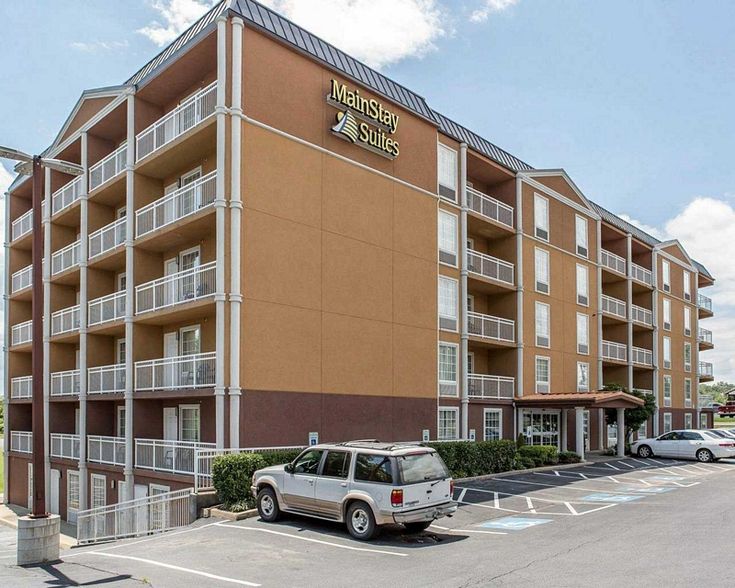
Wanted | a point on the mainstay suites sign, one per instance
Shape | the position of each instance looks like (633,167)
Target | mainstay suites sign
(363,121)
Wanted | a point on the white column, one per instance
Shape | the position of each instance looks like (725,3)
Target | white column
(564,427)
(629,309)
(656,359)
(129,299)
(519,285)
(83,297)
(579,427)
(6,340)
(46,271)
(600,372)
(601,429)
(463,334)
(621,432)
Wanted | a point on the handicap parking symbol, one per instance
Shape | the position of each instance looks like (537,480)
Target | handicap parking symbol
(666,478)
(649,490)
(603,497)
(513,523)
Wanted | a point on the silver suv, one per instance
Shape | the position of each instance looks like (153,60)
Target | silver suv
(364,484)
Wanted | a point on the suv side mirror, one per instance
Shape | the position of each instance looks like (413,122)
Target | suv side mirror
(288,468)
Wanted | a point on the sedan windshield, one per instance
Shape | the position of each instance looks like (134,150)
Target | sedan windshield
(421,467)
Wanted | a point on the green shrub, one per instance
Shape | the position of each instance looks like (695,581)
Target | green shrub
(540,455)
(279,456)
(569,457)
(232,475)
(476,458)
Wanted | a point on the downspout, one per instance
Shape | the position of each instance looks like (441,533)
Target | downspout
(464,337)
(46,272)
(83,281)
(519,303)
(129,298)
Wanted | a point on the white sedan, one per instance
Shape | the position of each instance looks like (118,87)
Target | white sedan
(685,444)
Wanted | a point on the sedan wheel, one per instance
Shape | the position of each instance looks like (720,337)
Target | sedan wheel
(644,451)
(705,455)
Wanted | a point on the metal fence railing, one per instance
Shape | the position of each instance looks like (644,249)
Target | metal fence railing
(641,315)
(614,351)
(66,195)
(704,302)
(613,306)
(65,320)
(21,387)
(641,274)
(612,261)
(22,225)
(21,441)
(171,373)
(106,450)
(490,327)
(490,267)
(65,258)
(642,356)
(21,279)
(489,207)
(176,457)
(106,379)
(21,333)
(65,383)
(107,238)
(184,286)
(64,445)
(107,308)
(486,386)
(109,167)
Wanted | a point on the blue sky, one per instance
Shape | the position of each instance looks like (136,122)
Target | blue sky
(634,99)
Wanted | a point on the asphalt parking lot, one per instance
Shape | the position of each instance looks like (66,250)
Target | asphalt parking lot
(651,522)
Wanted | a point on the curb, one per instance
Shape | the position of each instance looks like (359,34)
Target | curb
(564,466)
(227,515)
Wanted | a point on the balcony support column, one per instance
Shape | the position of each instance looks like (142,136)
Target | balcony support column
(579,430)
(629,308)
(7,384)
(83,279)
(600,373)
(46,272)
(519,283)
(564,429)
(464,337)
(621,432)
(656,362)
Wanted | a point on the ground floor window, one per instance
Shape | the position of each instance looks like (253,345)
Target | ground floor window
(447,424)
(493,424)
(72,490)
(643,431)
(541,428)
(703,424)
(189,422)
(688,420)
(667,422)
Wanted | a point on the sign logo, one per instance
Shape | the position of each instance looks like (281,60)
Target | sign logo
(363,121)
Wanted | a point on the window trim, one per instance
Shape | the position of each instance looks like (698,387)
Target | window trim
(667,397)
(688,417)
(439,184)
(666,304)
(445,213)
(666,346)
(687,285)
(688,396)
(120,410)
(586,246)
(536,227)
(536,305)
(580,363)
(536,281)
(666,275)
(439,381)
(587,319)
(454,410)
(687,321)
(485,412)
(667,417)
(688,366)
(586,269)
(547,359)
(181,408)
(456,304)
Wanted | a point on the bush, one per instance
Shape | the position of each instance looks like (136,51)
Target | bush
(569,457)
(465,459)
(279,456)
(540,455)
(232,475)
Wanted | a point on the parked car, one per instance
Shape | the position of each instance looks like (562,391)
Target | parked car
(364,484)
(721,433)
(686,444)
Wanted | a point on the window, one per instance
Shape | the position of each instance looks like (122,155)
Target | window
(308,462)
(687,285)
(666,271)
(447,369)
(447,303)
(72,490)
(447,238)
(99,491)
(667,422)
(583,333)
(688,420)
(703,421)
(541,217)
(583,285)
(189,422)
(583,376)
(687,357)
(543,328)
(543,375)
(337,464)
(190,344)
(542,271)
(667,390)
(493,425)
(447,173)
(121,421)
(582,240)
(667,314)
(687,394)
(643,431)
(447,423)
(687,321)
(373,468)
(667,353)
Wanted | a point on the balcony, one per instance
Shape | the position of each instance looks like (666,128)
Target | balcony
(106,450)
(489,207)
(490,267)
(107,308)
(22,225)
(612,262)
(64,446)
(706,371)
(173,373)
(705,304)
(67,195)
(641,274)
(65,383)
(641,315)
(705,338)
(21,388)
(642,356)
(109,167)
(644,391)
(21,279)
(106,379)
(614,307)
(186,116)
(490,387)
(21,441)
(185,286)
(490,327)
(614,351)
(22,333)
(65,321)
(65,258)
(107,238)
(184,202)
(175,457)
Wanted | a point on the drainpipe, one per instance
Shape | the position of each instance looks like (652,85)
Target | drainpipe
(519,304)
(129,298)
(464,337)
(656,372)
(46,272)
(6,340)
(83,297)
(629,282)
(600,376)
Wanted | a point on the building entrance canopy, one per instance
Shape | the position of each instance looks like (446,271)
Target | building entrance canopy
(587,400)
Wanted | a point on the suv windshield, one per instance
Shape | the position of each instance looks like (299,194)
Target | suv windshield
(421,467)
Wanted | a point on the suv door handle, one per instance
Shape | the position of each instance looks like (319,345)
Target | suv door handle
(343,484)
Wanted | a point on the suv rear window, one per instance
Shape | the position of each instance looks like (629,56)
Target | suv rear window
(373,468)
(421,467)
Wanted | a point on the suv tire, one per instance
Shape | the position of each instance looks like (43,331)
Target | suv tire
(268,508)
(361,521)
(417,527)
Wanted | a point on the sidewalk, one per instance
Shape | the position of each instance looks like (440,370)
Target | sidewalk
(9,518)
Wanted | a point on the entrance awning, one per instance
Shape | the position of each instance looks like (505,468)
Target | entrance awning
(606,399)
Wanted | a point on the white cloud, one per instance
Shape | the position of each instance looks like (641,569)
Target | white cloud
(491,6)
(97,46)
(654,231)
(176,16)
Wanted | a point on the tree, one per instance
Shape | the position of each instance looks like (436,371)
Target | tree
(634,417)
(716,391)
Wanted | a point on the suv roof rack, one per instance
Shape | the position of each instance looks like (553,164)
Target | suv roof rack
(376,444)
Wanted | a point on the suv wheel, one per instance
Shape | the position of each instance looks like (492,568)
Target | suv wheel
(417,527)
(361,521)
(268,505)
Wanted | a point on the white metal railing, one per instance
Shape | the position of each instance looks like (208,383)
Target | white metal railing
(144,516)
(176,457)
(185,116)
(706,369)
(106,379)
(109,167)
(185,286)
(614,351)
(21,387)
(490,267)
(645,391)
(107,308)
(179,204)
(484,386)
(612,261)
(641,315)
(642,356)
(66,195)
(641,274)
(21,279)
(106,450)
(65,445)
(21,441)
(491,327)
(705,302)
(65,258)
(107,238)
(613,306)
(22,225)
(705,401)
(705,336)
(489,207)
(170,373)
(65,383)
(65,320)
(22,333)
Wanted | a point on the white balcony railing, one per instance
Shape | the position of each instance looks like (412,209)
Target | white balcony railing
(65,258)
(22,225)
(21,387)
(614,351)
(179,204)
(106,379)
(106,450)
(107,308)
(705,336)
(613,306)
(490,327)
(489,207)
(171,373)
(66,195)
(21,441)
(176,457)
(644,391)
(185,116)
(705,302)
(107,238)
(642,356)
(65,383)
(706,369)
(484,386)
(107,168)
(65,445)
(22,333)
(612,261)
(65,321)
(641,274)
(21,279)
(184,286)
(490,267)
(641,315)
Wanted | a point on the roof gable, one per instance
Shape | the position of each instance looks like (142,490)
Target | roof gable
(559,181)
(675,249)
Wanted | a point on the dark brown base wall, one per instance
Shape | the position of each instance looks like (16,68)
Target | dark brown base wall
(476,418)
(287,418)
(677,418)
(17,490)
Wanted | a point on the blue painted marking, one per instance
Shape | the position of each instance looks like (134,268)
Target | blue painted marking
(603,497)
(667,478)
(649,490)
(513,523)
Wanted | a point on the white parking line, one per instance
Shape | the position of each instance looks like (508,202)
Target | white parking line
(461,495)
(528,503)
(612,466)
(627,465)
(529,500)
(577,488)
(468,531)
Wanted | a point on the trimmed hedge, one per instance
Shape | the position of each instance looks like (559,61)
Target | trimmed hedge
(538,455)
(465,459)
(232,474)
(569,457)
(279,456)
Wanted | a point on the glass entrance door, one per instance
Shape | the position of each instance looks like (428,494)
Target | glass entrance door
(541,428)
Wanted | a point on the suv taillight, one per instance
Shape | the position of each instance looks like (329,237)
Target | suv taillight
(396,497)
